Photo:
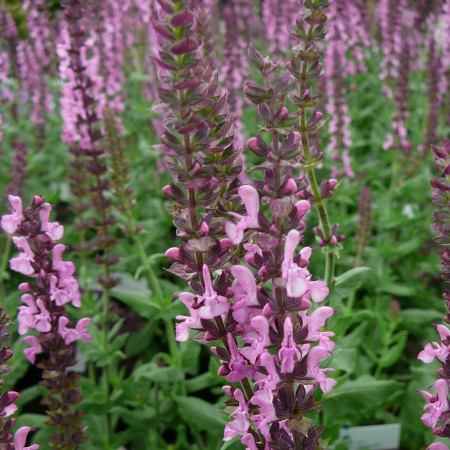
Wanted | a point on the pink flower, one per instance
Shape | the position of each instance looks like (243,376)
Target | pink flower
(43,319)
(20,439)
(214,305)
(251,251)
(437,446)
(10,222)
(239,426)
(35,349)
(54,230)
(72,334)
(244,287)
(9,406)
(250,198)
(295,276)
(237,365)
(26,314)
(182,328)
(288,351)
(438,403)
(315,322)
(249,441)
(315,356)
(272,378)
(439,351)
(22,263)
(65,268)
(258,338)
(67,291)
(318,290)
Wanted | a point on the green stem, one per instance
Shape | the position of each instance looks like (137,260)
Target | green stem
(309,167)
(106,415)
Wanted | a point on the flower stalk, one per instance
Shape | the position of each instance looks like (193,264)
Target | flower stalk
(305,66)
(44,298)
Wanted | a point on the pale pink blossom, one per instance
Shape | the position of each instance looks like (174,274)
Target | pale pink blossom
(35,348)
(10,222)
(250,198)
(315,357)
(20,439)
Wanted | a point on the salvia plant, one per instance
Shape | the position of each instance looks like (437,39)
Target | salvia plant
(180,278)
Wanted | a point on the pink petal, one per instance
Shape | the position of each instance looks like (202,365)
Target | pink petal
(246,280)
(292,240)
(234,234)
(318,318)
(319,290)
(250,198)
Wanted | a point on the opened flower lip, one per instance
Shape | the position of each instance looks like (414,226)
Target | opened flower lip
(295,276)
(214,305)
(436,350)
(238,365)
(72,334)
(250,197)
(438,403)
(22,263)
(20,439)
(35,348)
(53,229)
(258,339)
(288,351)
(10,222)
(315,357)
(244,287)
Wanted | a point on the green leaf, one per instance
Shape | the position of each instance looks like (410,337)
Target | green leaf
(348,282)
(344,359)
(152,372)
(405,248)
(357,337)
(18,363)
(228,444)
(203,381)
(136,294)
(397,290)
(416,318)
(395,351)
(343,322)
(354,398)
(29,394)
(200,414)
(140,303)
(190,352)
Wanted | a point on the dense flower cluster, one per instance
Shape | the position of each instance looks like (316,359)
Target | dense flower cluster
(434,76)
(82,105)
(235,304)
(16,185)
(198,138)
(7,398)
(437,415)
(390,14)
(241,22)
(305,66)
(398,139)
(278,18)
(38,58)
(445,85)
(54,286)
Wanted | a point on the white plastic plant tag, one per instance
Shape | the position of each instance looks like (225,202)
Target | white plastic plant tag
(373,437)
